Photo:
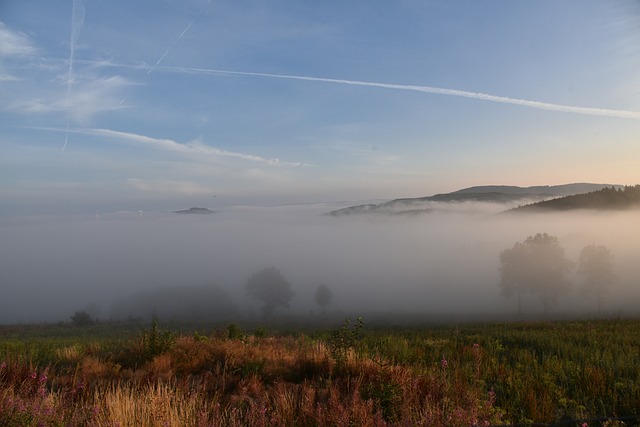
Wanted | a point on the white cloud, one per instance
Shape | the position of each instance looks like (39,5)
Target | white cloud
(196,147)
(193,147)
(14,43)
(88,98)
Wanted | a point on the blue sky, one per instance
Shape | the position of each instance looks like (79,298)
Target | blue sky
(125,105)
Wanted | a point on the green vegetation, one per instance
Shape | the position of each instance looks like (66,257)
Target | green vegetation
(456,375)
(342,341)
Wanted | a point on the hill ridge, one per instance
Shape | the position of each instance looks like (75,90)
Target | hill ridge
(487,193)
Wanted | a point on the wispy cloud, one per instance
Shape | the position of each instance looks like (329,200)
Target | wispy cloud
(13,44)
(192,147)
(91,96)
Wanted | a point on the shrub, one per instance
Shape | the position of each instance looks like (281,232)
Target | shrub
(81,318)
(156,341)
(343,339)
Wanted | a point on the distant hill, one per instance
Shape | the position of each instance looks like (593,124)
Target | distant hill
(539,190)
(608,198)
(196,211)
(489,194)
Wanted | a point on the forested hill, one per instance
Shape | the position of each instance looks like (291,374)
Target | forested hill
(505,194)
(608,198)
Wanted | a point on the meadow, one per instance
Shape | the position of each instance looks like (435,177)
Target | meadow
(346,374)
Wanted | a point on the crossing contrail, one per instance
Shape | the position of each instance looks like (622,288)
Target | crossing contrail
(77,19)
(175,42)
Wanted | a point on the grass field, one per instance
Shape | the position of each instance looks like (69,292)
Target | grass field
(349,374)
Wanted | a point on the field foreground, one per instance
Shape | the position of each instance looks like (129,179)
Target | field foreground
(564,373)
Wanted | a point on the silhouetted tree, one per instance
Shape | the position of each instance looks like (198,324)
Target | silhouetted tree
(536,266)
(81,318)
(596,263)
(270,287)
(323,297)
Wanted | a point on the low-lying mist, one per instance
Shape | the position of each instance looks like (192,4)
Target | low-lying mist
(442,262)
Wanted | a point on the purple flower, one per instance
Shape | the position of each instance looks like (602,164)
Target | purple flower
(444,363)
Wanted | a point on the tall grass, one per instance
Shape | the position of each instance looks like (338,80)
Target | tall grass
(440,376)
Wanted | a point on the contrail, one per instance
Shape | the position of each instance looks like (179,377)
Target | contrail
(77,19)
(66,137)
(548,106)
(175,42)
(603,112)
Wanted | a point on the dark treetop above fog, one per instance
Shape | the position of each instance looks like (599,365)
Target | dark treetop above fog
(608,198)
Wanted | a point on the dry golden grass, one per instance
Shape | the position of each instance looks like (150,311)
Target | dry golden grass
(153,405)
(70,354)
(286,381)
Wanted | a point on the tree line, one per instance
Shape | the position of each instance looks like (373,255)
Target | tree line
(608,198)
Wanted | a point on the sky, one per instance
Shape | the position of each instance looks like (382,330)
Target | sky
(152,105)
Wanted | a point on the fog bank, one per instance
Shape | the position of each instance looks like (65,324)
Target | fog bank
(445,261)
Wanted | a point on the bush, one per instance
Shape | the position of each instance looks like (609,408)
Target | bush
(156,341)
(342,340)
(82,318)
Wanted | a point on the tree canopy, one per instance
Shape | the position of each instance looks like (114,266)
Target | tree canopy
(269,286)
(535,266)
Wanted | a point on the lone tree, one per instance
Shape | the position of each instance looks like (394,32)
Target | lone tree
(596,264)
(269,286)
(323,297)
(81,318)
(536,266)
